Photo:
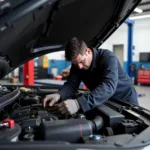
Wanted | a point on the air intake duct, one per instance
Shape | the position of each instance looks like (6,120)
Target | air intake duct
(70,130)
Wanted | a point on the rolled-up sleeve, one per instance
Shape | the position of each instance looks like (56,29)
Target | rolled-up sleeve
(71,86)
(105,89)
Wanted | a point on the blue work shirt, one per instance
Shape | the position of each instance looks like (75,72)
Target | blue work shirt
(105,79)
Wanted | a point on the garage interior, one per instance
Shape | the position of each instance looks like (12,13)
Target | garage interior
(37,111)
(130,43)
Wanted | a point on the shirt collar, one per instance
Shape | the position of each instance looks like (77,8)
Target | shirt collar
(94,61)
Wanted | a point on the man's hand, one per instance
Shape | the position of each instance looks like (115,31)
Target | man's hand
(69,107)
(51,98)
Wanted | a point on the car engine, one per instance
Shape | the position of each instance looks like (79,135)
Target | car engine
(23,118)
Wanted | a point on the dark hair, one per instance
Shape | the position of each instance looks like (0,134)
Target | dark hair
(74,47)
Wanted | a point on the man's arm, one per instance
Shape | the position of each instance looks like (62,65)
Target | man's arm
(70,87)
(106,88)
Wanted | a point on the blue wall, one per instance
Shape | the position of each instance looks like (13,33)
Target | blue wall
(146,65)
(61,64)
(137,66)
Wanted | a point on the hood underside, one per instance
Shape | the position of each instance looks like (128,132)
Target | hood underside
(33,28)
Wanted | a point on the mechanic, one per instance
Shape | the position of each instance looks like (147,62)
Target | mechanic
(100,71)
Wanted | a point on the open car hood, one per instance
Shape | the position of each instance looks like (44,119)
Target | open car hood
(32,28)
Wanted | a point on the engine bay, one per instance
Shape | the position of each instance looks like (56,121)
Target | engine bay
(23,118)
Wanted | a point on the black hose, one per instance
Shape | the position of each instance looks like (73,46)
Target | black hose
(97,123)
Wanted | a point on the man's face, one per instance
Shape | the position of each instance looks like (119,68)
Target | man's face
(84,61)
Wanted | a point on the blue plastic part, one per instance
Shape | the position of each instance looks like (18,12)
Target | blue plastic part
(96,137)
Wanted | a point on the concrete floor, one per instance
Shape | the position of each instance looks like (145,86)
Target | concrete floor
(144,101)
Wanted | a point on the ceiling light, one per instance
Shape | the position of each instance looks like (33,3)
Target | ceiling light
(138,10)
(139,17)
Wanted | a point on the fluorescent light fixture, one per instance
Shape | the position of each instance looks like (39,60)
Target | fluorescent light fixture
(140,17)
(138,10)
